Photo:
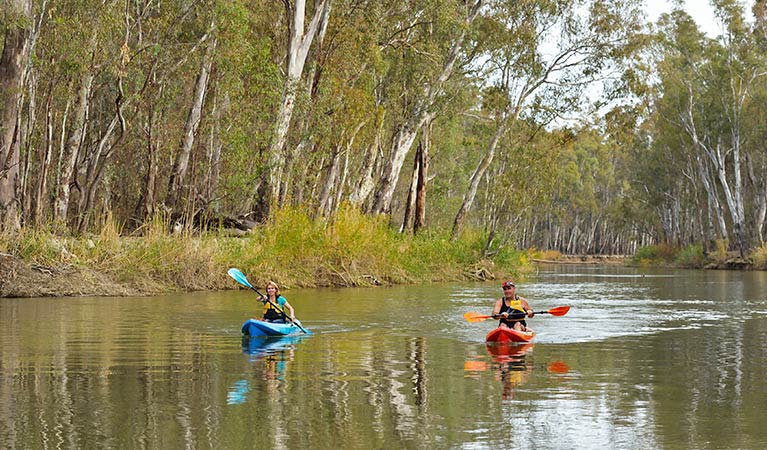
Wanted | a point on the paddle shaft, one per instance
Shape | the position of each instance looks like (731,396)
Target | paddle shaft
(510,317)
(474,317)
(517,316)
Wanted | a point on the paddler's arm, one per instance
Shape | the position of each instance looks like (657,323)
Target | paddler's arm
(497,308)
(527,307)
(290,308)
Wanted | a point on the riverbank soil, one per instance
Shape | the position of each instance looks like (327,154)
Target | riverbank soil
(19,279)
(587,259)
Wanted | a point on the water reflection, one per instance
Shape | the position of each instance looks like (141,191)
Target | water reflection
(272,354)
(512,368)
(259,346)
(639,362)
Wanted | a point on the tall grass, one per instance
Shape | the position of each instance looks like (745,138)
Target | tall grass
(292,249)
(759,257)
(655,254)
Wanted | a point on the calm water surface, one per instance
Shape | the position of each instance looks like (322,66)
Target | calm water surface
(645,359)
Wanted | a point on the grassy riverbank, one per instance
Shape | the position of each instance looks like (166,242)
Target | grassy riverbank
(693,257)
(292,249)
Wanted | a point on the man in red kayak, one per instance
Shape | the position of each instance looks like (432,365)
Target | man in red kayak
(513,305)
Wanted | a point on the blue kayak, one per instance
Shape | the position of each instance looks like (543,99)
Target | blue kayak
(254,327)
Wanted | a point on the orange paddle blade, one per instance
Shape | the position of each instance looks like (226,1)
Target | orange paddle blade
(475,317)
(558,367)
(559,310)
(475,366)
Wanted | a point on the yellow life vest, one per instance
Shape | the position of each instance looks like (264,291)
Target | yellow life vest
(274,311)
(517,304)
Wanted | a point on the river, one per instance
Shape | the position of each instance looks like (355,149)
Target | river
(645,359)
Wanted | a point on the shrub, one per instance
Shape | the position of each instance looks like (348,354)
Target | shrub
(691,256)
(759,257)
(655,254)
(547,255)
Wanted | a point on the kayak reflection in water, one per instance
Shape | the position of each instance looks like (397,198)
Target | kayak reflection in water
(275,305)
(513,370)
(272,357)
(275,364)
(513,305)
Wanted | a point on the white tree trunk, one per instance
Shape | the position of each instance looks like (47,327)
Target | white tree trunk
(479,172)
(418,115)
(181,163)
(326,197)
(298,49)
(72,149)
(366,184)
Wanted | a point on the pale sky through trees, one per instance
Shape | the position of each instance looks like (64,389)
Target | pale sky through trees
(700,10)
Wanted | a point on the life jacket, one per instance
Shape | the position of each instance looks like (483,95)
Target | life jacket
(513,308)
(514,305)
(275,312)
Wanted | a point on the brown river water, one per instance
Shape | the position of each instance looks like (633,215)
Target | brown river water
(645,359)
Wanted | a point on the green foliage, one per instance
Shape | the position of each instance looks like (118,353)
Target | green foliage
(613,180)
(759,257)
(691,257)
(292,249)
(655,254)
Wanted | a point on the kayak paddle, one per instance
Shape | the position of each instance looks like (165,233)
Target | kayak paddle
(240,278)
(477,317)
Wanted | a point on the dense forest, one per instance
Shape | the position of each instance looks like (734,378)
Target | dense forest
(569,125)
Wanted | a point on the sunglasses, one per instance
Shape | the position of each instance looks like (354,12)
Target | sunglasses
(508,286)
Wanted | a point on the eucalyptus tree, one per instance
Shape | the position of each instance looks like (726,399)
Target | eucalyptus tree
(166,50)
(365,73)
(448,24)
(299,42)
(17,27)
(192,124)
(86,65)
(519,190)
(338,109)
(540,56)
(707,87)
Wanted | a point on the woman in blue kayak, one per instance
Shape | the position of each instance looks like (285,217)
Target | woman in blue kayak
(514,305)
(275,305)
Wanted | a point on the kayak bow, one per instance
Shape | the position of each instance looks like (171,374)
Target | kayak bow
(254,327)
(503,334)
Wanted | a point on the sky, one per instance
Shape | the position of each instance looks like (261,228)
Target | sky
(700,10)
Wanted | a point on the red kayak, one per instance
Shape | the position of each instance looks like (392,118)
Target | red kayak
(509,335)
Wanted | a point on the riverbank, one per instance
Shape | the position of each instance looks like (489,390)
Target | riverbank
(586,259)
(293,250)
(20,279)
(663,255)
